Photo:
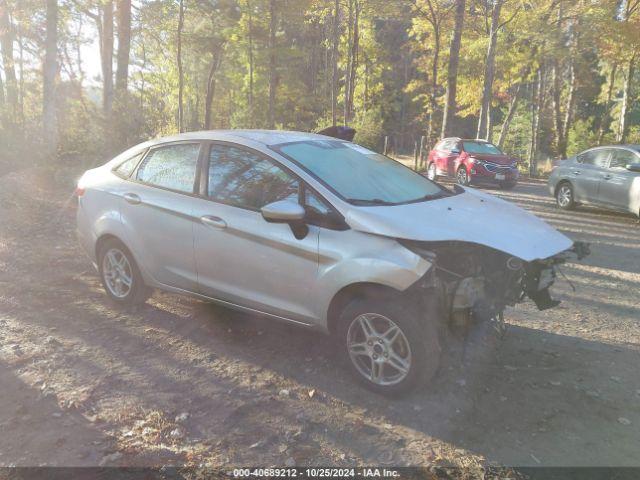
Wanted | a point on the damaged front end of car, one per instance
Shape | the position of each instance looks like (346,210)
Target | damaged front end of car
(475,283)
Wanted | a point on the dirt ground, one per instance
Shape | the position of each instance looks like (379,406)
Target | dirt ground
(180,381)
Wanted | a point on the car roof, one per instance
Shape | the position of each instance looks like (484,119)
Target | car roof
(631,146)
(265,137)
(481,140)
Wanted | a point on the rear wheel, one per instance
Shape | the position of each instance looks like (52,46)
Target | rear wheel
(462,176)
(564,196)
(431,172)
(388,348)
(120,275)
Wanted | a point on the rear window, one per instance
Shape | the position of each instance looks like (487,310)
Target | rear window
(126,168)
(598,158)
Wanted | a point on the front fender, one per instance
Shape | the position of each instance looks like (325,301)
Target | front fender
(386,263)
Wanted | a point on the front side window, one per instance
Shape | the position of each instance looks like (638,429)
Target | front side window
(245,179)
(172,167)
(622,158)
(358,175)
(481,148)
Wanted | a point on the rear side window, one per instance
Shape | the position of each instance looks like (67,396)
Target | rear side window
(622,158)
(245,179)
(173,167)
(598,158)
(126,168)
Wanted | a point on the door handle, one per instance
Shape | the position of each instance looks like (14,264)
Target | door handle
(577,172)
(132,198)
(213,221)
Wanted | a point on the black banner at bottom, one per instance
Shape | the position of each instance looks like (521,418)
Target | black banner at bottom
(359,473)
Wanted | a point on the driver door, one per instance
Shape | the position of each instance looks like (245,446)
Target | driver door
(241,258)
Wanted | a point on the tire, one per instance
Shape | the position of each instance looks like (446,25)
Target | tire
(564,196)
(416,345)
(462,177)
(432,172)
(507,185)
(114,278)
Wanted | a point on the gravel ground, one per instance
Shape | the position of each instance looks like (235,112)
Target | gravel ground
(180,381)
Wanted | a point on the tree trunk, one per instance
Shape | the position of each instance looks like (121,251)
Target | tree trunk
(347,86)
(489,72)
(623,129)
(50,74)
(251,64)
(607,117)
(2,99)
(107,57)
(557,109)
(568,114)
(124,44)
(211,89)
(504,131)
(452,70)
(334,61)
(537,103)
(355,47)
(6,44)
(433,98)
(272,63)
(180,71)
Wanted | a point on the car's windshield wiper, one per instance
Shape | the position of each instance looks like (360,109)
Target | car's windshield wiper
(369,201)
(433,196)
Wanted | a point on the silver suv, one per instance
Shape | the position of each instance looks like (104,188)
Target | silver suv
(319,232)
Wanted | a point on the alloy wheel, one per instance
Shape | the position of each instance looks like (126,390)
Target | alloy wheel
(378,349)
(117,273)
(565,196)
(462,176)
(431,173)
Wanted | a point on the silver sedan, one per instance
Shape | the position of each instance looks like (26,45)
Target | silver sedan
(319,232)
(607,177)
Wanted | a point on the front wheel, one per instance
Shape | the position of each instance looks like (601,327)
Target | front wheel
(564,196)
(431,172)
(507,185)
(120,275)
(388,347)
(462,176)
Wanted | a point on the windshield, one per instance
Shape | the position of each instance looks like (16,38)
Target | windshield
(481,148)
(358,175)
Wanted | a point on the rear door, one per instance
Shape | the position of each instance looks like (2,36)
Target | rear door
(156,211)
(446,157)
(241,258)
(587,174)
(615,187)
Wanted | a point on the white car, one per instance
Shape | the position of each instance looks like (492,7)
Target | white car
(319,232)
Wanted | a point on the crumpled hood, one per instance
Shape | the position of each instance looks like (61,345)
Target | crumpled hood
(472,216)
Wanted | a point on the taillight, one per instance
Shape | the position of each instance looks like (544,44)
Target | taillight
(79,192)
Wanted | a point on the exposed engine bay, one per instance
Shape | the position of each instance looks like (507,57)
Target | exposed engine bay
(475,283)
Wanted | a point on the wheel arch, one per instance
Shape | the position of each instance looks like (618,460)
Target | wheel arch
(560,183)
(105,237)
(355,290)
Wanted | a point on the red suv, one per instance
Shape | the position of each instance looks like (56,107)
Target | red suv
(472,161)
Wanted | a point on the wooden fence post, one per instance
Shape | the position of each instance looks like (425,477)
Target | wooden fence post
(386,145)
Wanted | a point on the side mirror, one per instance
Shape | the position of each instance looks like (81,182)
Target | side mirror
(634,167)
(287,211)
(283,211)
